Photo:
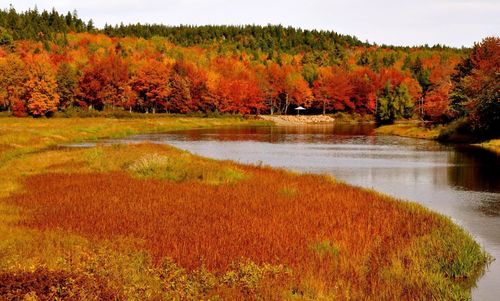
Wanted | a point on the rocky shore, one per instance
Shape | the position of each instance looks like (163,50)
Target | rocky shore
(297,119)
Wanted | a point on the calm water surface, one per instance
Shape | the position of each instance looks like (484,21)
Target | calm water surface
(461,182)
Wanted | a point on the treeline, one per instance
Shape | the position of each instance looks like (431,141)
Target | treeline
(39,26)
(45,25)
(249,37)
(94,71)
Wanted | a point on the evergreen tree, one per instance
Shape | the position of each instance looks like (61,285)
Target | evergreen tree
(394,103)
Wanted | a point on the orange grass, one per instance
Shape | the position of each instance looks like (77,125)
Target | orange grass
(214,226)
(312,237)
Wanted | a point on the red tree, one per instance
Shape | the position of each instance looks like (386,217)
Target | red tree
(151,85)
(104,82)
(364,90)
(333,90)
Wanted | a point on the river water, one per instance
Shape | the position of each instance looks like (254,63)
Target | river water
(462,182)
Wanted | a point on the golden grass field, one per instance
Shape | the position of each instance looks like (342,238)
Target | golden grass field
(151,222)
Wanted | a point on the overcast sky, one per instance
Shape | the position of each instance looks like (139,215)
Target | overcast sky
(397,22)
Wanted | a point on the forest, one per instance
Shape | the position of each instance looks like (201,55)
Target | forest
(52,62)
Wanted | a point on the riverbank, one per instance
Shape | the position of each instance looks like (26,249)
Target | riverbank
(492,145)
(93,215)
(416,130)
(294,120)
(410,130)
(25,135)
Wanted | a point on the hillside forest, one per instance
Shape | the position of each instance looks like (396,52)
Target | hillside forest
(52,62)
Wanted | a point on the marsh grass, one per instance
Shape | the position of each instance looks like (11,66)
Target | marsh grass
(413,130)
(152,222)
(326,248)
(288,191)
(184,168)
(24,135)
(381,248)
(43,284)
(492,145)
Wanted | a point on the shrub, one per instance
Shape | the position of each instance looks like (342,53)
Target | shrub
(43,284)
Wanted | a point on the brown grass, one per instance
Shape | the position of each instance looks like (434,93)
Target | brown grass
(48,285)
(153,222)
(215,226)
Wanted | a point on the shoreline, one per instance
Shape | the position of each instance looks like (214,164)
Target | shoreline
(491,145)
(297,119)
(414,130)
(410,130)
(99,161)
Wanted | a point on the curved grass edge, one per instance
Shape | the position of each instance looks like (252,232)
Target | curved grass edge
(451,260)
(416,130)
(448,260)
(410,130)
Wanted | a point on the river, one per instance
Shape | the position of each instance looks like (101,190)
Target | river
(460,181)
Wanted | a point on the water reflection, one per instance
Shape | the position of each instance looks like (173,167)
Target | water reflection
(273,134)
(476,169)
(458,181)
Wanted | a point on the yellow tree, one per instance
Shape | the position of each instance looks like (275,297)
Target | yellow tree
(41,87)
(13,76)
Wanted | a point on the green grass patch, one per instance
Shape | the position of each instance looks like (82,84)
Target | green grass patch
(184,168)
(411,130)
(326,248)
(289,192)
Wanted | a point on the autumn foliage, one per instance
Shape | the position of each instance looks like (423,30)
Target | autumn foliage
(41,88)
(104,82)
(94,71)
(476,92)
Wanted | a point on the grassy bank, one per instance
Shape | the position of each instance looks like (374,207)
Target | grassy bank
(20,136)
(411,130)
(493,145)
(441,133)
(153,222)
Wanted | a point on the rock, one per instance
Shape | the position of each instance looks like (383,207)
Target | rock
(297,119)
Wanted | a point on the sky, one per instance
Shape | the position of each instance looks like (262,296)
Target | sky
(394,22)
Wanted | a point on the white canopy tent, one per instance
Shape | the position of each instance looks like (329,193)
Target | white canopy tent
(299,108)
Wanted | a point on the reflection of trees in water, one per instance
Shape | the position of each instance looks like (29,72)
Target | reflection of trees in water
(474,169)
(477,169)
(277,134)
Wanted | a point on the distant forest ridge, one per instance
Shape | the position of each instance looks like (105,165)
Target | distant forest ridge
(46,25)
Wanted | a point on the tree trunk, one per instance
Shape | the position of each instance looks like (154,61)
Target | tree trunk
(286,103)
